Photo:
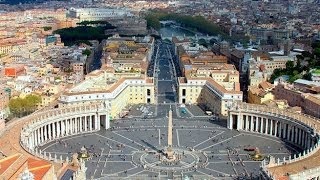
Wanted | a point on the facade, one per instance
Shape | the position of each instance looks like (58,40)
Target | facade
(295,95)
(207,93)
(209,81)
(128,26)
(98,14)
(268,34)
(128,54)
(116,92)
(4,105)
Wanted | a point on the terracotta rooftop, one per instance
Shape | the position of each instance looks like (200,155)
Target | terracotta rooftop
(266,85)
(7,162)
(38,168)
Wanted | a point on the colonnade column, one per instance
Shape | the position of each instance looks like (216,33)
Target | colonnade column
(276,128)
(303,141)
(251,123)
(299,136)
(42,134)
(247,123)
(76,125)
(267,125)
(261,124)
(59,127)
(86,123)
(230,121)
(54,129)
(38,134)
(71,125)
(285,133)
(80,125)
(271,127)
(308,140)
(97,122)
(66,127)
(45,133)
(50,131)
(288,132)
(90,123)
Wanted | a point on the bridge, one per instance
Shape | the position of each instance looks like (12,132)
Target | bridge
(196,37)
(165,23)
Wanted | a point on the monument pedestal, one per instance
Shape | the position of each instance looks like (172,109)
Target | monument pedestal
(170,153)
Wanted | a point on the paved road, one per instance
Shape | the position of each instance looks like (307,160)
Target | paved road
(166,87)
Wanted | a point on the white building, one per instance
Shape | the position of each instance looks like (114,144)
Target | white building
(97,14)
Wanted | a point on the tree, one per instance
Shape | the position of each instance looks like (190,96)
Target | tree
(289,65)
(86,52)
(32,101)
(15,106)
(47,28)
(203,42)
(317,52)
(23,106)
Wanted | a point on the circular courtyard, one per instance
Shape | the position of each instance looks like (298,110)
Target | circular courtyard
(134,148)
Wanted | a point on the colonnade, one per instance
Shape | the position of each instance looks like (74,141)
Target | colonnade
(299,129)
(55,124)
(64,127)
(287,129)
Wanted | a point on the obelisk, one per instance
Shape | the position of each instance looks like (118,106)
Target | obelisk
(169,149)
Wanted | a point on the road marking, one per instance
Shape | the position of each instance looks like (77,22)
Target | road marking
(221,142)
(128,139)
(117,142)
(159,137)
(134,174)
(208,139)
(217,171)
(178,138)
(217,162)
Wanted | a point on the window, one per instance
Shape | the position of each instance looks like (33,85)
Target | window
(183,92)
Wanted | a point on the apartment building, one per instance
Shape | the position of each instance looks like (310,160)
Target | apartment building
(301,93)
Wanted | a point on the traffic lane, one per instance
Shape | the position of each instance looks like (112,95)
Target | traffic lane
(164,76)
(165,73)
(166,99)
(165,86)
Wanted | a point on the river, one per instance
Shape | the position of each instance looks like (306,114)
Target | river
(169,31)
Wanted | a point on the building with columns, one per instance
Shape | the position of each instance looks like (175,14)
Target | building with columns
(294,128)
